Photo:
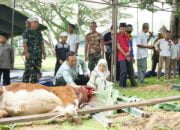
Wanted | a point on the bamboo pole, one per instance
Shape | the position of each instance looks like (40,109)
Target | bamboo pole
(11,120)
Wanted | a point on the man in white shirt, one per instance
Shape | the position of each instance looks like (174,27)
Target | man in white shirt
(164,47)
(73,39)
(142,52)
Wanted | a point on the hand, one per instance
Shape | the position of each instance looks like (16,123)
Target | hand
(86,58)
(27,55)
(60,61)
(44,56)
(86,74)
(128,59)
(133,60)
(127,54)
(150,46)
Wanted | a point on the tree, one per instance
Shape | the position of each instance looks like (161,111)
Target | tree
(175,16)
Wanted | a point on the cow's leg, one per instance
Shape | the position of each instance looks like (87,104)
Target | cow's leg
(3,113)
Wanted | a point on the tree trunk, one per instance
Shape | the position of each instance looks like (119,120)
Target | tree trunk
(175,21)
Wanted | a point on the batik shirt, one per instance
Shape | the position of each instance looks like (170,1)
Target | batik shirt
(34,41)
(94,42)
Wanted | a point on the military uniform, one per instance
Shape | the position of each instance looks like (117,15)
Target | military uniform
(94,49)
(34,41)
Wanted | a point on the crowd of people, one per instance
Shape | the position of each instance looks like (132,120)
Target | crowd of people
(72,70)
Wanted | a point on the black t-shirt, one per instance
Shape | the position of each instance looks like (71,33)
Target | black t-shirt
(107,37)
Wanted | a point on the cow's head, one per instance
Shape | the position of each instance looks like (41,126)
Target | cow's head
(84,94)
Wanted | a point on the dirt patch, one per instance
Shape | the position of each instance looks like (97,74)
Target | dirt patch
(160,120)
(154,88)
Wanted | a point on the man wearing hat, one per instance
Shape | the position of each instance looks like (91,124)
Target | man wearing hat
(34,51)
(61,49)
(123,47)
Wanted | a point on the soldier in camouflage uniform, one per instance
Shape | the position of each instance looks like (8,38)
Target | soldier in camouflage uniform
(94,46)
(34,51)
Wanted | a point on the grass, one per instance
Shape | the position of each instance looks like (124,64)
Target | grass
(136,91)
(47,64)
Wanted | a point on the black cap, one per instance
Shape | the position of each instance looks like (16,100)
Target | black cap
(122,25)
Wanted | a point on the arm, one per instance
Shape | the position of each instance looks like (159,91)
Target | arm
(68,78)
(101,45)
(77,44)
(25,45)
(121,50)
(43,51)
(140,44)
(108,42)
(83,65)
(86,48)
(12,57)
(102,48)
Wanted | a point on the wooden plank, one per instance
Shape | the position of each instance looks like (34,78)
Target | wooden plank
(45,116)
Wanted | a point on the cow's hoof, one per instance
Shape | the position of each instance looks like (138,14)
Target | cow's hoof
(3,113)
(76,120)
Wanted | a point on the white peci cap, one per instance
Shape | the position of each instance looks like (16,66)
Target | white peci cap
(32,19)
(64,34)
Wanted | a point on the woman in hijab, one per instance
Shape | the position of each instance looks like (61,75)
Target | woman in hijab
(99,76)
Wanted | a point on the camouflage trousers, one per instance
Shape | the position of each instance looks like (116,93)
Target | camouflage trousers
(93,60)
(32,71)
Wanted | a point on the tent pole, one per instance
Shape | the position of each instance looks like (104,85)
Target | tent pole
(12,19)
(114,39)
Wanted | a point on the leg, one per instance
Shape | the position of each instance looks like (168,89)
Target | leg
(82,80)
(6,77)
(93,60)
(35,76)
(142,65)
(167,69)
(56,67)
(123,73)
(108,59)
(60,82)
(130,71)
(0,74)
(27,72)
(170,68)
(144,68)
(161,62)
(174,68)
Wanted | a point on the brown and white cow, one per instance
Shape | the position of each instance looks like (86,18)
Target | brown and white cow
(20,99)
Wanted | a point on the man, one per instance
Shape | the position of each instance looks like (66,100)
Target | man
(164,47)
(130,63)
(123,53)
(94,46)
(142,52)
(73,39)
(72,72)
(34,51)
(108,47)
